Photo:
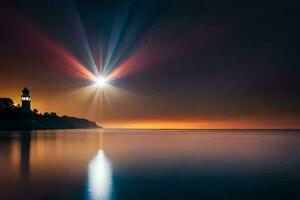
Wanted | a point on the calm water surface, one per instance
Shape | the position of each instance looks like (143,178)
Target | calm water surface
(149,164)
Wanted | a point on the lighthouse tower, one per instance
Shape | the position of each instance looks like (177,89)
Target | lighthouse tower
(25,100)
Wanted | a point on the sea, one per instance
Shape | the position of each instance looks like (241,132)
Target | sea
(121,164)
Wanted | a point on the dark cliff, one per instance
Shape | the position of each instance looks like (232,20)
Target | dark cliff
(12,118)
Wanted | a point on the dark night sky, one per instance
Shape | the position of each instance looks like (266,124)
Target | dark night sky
(198,64)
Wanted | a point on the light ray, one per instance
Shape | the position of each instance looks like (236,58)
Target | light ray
(79,29)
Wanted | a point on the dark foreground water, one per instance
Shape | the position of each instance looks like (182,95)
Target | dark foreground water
(150,164)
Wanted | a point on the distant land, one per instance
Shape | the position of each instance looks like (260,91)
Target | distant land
(23,118)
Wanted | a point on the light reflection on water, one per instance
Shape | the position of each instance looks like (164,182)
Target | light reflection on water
(99,177)
(149,164)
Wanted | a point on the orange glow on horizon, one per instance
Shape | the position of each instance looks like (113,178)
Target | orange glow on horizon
(274,122)
(203,124)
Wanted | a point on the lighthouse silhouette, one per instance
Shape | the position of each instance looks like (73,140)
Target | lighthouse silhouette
(25,100)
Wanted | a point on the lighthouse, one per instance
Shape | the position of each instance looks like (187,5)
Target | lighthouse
(25,100)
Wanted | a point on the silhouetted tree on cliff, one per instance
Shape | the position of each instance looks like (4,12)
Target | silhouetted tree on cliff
(12,118)
(6,103)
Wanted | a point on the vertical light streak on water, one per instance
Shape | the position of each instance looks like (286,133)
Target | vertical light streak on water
(100,177)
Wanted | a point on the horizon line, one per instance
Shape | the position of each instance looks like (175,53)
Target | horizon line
(255,129)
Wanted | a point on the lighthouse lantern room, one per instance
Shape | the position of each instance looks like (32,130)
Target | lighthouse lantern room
(25,98)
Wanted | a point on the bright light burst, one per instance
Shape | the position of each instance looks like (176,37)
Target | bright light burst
(101,81)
